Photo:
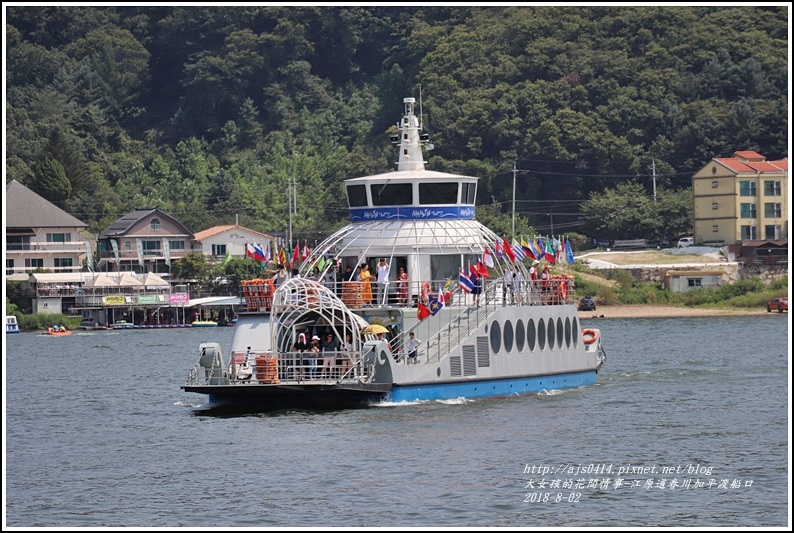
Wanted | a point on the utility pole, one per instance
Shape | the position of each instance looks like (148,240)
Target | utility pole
(515,171)
(653,169)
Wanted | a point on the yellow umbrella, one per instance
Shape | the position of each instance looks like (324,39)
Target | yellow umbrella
(374,329)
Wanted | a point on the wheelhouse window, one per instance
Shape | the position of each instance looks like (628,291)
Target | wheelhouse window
(438,193)
(357,195)
(391,194)
(469,193)
(155,224)
(746,188)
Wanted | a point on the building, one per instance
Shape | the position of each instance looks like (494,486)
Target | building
(216,242)
(741,198)
(144,240)
(40,235)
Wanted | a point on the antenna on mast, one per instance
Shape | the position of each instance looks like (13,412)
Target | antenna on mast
(421,121)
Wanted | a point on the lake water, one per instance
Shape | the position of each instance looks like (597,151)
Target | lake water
(687,426)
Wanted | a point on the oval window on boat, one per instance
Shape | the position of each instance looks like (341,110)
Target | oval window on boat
(541,334)
(508,336)
(575,328)
(496,337)
(568,332)
(520,338)
(550,338)
(560,338)
(531,334)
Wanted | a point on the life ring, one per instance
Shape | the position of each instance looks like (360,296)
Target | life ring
(563,290)
(590,335)
(425,291)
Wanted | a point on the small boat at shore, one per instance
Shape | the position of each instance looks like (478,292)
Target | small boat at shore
(60,332)
(424,336)
(12,326)
(121,324)
(204,324)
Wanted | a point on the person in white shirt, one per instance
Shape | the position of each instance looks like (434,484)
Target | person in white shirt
(412,345)
(518,286)
(383,281)
(507,287)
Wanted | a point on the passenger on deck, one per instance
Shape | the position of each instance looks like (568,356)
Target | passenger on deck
(301,345)
(310,356)
(518,286)
(402,287)
(330,349)
(383,282)
(347,354)
(507,286)
(412,345)
(366,284)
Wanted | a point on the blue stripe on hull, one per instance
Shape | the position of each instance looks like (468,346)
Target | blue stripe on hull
(485,389)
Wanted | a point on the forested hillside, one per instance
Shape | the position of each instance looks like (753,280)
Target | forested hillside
(209,112)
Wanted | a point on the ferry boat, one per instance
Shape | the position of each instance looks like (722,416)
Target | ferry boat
(477,336)
(12,326)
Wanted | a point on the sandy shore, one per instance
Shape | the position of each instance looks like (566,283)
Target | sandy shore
(651,311)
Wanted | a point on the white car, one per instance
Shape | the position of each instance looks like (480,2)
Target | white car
(683,242)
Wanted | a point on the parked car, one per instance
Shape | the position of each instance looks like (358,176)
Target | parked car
(777,304)
(683,242)
(587,304)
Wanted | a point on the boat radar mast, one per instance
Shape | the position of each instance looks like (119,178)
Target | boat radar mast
(411,140)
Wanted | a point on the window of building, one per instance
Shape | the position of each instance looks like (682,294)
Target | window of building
(179,245)
(9,267)
(34,263)
(218,250)
(714,183)
(17,243)
(746,188)
(772,232)
(772,210)
(151,247)
(771,188)
(748,211)
(63,264)
(695,282)
(749,233)
(155,224)
(715,228)
(59,237)
(391,194)
(715,205)
(127,246)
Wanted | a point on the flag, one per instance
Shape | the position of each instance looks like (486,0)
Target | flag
(473,274)
(441,298)
(267,252)
(482,270)
(487,258)
(434,305)
(282,257)
(447,284)
(498,250)
(422,312)
(295,254)
(305,252)
(568,252)
(227,258)
(465,283)
(139,247)
(249,249)
(259,253)
(508,250)
(528,249)
(321,263)
(549,253)
(518,251)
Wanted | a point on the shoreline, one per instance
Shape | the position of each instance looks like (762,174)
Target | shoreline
(665,311)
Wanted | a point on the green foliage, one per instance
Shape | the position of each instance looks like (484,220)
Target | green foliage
(41,321)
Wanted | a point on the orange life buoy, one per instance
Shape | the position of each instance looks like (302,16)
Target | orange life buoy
(590,335)
(564,290)
(425,291)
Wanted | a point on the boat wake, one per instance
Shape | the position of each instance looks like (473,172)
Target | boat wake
(451,401)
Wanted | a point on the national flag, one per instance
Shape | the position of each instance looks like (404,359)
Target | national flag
(227,258)
(282,257)
(498,250)
(305,252)
(528,249)
(569,252)
(267,252)
(434,305)
(548,254)
(296,254)
(482,270)
(422,312)
(441,298)
(259,253)
(447,284)
(473,274)
(249,249)
(321,263)
(465,282)
(487,258)
(518,251)
(508,250)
